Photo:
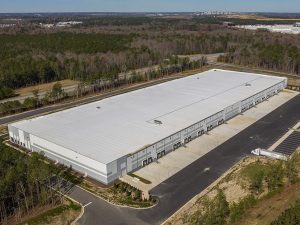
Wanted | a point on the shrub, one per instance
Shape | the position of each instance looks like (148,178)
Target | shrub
(275,176)
(292,166)
(216,211)
(237,210)
(255,173)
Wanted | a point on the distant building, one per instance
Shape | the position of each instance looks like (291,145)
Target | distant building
(7,25)
(228,24)
(47,25)
(68,23)
(297,24)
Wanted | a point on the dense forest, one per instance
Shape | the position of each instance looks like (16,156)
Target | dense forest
(269,51)
(103,47)
(24,184)
(6,92)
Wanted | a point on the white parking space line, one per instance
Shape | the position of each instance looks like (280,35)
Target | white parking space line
(87,204)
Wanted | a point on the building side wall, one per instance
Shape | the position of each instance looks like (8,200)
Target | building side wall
(56,153)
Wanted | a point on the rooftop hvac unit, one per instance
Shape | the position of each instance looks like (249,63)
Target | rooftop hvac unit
(157,122)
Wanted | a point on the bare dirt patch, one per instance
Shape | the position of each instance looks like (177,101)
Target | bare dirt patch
(232,190)
(63,214)
(44,87)
(65,218)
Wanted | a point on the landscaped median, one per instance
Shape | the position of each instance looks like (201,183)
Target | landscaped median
(120,193)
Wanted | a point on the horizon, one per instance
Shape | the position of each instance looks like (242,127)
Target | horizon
(143,6)
(136,12)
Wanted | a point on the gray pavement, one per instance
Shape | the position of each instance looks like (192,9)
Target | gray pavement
(184,185)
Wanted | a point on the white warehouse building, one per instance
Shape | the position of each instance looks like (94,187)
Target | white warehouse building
(111,137)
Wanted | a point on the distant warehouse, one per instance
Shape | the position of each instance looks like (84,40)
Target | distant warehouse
(109,138)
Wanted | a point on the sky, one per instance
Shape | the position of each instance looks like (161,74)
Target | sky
(149,5)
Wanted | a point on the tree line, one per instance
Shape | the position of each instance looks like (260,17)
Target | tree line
(6,92)
(24,184)
(104,47)
(278,57)
(57,94)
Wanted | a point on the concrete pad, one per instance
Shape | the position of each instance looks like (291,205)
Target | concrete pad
(175,161)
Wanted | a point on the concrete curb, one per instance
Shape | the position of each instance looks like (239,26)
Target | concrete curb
(73,200)
(79,216)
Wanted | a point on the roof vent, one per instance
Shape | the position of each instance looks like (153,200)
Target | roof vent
(247,84)
(157,122)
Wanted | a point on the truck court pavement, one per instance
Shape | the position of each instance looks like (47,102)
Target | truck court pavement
(184,185)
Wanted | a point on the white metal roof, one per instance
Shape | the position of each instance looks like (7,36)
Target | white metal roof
(111,128)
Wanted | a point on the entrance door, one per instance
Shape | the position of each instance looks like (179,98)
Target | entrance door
(123,172)
(123,169)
